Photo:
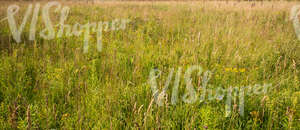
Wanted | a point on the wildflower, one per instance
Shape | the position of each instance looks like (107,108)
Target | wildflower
(235,70)
(242,70)
(227,69)
(254,113)
(65,115)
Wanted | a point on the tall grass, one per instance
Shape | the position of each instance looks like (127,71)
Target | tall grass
(52,84)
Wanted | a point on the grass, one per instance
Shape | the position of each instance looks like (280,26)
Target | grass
(52,84)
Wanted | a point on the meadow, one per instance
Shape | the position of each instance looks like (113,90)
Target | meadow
(53,84)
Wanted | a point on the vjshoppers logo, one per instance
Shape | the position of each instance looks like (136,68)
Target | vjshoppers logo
(294,16)
(66,30)
(201,93)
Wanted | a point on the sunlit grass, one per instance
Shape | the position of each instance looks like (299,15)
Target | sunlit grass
(52,84)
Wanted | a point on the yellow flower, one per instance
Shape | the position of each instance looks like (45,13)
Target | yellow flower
(65,115)
(254,114)
(227,69)
(242,70)
(235,70)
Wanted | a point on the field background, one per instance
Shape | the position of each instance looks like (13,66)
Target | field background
(52,84)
